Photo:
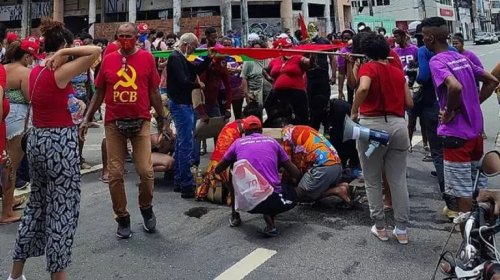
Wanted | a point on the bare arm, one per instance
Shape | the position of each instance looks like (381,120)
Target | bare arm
(266,75)
(352,73)
(223,165)
(85,58)
(333,67)
(24,84)
(244,84)
(94,105)
(408,98)
(490,83)
(360,96)
(306,63)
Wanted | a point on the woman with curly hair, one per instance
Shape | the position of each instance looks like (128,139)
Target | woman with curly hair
(51,216)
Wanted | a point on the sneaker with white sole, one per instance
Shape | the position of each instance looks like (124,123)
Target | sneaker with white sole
(18,278)
(401,235)
(381,234)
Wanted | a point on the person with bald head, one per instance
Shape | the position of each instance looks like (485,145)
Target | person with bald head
(129,82)
(460,117)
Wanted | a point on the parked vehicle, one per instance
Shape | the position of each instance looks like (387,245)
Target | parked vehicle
(483,38)
(494,37)
(497,34)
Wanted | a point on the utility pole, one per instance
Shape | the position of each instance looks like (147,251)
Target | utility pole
(103,11)
(226,15)
(26,18)
(328,17)
(92,16)
(286,12)
(132,11)
(244,22)
(177,10)
(58,12)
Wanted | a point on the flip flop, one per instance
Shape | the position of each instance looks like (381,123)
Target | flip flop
(18,204)
(104,180)
(11,221)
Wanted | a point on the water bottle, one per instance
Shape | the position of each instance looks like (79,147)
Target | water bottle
(74,107)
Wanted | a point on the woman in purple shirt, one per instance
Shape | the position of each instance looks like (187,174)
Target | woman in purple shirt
(458,43)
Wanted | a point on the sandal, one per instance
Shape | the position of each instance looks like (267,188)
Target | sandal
(234,221)
(18,203)
(427,158)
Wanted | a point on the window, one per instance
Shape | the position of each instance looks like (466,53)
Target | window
(445,2)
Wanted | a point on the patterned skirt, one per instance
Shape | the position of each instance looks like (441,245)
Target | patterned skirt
(51,216)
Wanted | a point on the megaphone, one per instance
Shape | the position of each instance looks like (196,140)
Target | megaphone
(354,131)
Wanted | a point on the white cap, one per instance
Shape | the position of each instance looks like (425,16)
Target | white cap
(253,37)
(412,26)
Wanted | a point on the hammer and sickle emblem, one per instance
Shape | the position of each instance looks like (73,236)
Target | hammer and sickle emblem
(129,81)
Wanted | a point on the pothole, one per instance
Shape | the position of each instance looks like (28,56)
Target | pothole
(196,212)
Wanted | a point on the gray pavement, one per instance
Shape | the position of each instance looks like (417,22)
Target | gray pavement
(317,242)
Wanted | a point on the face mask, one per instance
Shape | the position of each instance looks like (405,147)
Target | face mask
(170,43)
(127,44)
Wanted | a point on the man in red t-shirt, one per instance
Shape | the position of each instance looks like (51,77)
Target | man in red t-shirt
(128,82)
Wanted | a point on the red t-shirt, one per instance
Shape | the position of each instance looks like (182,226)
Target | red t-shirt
(127,86)
(287,74)
(386,95)
(49,102)
(5,112)
(395,61)
(111,48)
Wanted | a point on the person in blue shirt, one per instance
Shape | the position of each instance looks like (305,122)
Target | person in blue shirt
(430,116)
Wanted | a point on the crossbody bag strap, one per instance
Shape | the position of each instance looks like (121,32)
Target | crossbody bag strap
(32,91)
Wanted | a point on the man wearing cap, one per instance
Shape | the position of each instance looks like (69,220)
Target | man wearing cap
(128,81)
(143,29)
(266,156)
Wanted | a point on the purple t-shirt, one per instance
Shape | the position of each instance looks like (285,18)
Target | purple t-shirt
(468,124)
(264,153)
(340,59)
(473,58)
(410,53)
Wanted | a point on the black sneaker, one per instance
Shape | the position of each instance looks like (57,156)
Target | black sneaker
(123,230)
(434,174)
(149,219)
(188,193)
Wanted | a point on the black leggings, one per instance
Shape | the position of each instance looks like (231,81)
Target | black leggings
(297,99)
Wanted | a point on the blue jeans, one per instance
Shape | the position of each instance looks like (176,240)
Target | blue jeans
(183,117)
(212,112)
(430,116)
(23,174)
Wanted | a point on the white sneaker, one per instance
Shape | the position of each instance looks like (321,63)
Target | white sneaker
(18,278)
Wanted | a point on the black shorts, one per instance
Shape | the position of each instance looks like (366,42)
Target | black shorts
(277,203)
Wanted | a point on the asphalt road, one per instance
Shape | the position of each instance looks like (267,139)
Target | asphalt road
(317,242)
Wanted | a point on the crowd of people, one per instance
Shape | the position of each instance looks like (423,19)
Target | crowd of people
(152,95)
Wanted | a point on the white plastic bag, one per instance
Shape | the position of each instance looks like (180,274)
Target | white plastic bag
(250,187)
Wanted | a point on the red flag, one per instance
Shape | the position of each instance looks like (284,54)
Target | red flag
(197,30)
(257,53)
(303,27)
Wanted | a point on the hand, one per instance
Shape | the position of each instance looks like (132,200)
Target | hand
(355,116)
(166,131)
(204,118)
(81,107)
(446,116)
(227,115)
(211,52)
(333,80)
(56,61)
(341,96)
(492,196)
(82,131)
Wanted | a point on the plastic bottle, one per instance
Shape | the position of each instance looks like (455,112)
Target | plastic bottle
(199,177)
(74,107)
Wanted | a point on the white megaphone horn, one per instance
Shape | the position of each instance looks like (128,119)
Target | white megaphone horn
(354,131)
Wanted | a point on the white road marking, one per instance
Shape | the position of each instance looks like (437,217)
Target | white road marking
(416,140)
(246,265)
(93,169)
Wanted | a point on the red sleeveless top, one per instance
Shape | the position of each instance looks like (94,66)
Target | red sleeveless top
(49,102)
(5,112)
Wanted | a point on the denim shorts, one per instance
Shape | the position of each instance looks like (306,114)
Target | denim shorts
(16,119)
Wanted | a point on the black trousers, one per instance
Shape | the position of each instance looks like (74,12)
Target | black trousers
(347,151)
(297,100)
(318,91)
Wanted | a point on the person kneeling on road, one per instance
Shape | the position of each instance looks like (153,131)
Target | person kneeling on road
(266,155)
(318,160)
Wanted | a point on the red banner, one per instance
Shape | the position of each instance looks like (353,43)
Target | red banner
(257,53)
